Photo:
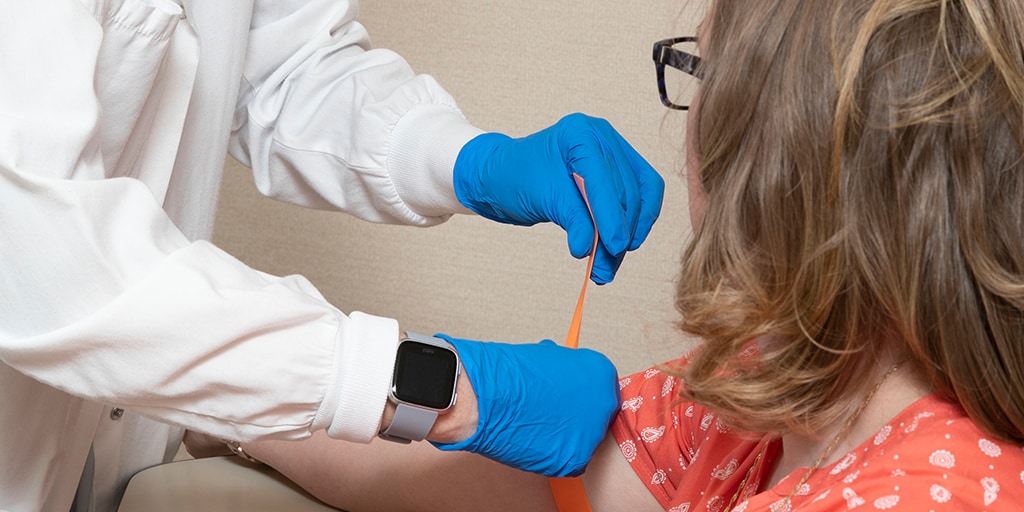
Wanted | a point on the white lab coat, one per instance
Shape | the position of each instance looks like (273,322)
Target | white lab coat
(115,117)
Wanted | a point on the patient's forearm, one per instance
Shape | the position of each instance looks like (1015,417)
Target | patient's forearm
(383,475)
(389,476)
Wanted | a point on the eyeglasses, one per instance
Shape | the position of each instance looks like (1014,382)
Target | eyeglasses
(668,52)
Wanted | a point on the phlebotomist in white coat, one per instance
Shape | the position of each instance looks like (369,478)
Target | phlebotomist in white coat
(115,118)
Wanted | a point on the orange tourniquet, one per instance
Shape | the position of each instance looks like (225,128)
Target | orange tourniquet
(569,494)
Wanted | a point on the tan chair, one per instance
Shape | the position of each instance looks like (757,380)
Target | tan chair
(224,484)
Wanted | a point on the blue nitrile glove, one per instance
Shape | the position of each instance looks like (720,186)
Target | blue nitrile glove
(529,180)
(543,408)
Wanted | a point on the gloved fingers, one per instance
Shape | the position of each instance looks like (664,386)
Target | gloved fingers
(594,154)
(606,265)
(651,190)
(616,207)
(628,192)
(579,230)
(642,189)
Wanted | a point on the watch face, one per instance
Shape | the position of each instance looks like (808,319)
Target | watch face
(425,375)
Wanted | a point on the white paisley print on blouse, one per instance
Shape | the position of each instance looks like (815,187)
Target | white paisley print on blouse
(721,426)
(724,473)
(991,487)
(651,434)
(917,419)
(883,435)
(715,504)
(852,500)
(940,494)
(933,439)
(705,422)
(942,459)
(989,448)
(782,505)
(844,464)
(666,388)
(633,404)
(887,502)
(628,448)
(803,490)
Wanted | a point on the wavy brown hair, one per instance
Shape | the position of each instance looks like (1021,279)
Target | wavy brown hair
(864,170)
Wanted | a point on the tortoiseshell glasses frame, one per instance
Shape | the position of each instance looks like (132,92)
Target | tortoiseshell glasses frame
(666,55)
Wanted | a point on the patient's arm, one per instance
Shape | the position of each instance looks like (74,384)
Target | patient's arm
(389,476)
(611,483)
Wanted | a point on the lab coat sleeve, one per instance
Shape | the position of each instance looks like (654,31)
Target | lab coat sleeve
(327,122)
(105,299)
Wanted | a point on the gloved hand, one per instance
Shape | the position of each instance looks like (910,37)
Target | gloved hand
(529,180)
(543,408)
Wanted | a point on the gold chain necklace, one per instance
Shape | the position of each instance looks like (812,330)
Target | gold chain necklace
(828,449)
(743,483)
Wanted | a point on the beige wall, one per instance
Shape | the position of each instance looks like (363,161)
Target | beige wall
(515,67)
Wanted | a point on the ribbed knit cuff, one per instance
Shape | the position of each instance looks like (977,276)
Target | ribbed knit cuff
(365,361)
(429,137)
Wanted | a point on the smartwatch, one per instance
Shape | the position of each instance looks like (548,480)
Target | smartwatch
(422,385)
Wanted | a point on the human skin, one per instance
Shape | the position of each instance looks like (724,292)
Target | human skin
(383,475)
(389,476)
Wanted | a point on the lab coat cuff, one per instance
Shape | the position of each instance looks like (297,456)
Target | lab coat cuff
(421,167)
(365,361)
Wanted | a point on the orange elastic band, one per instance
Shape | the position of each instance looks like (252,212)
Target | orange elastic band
(573,338)
(569,494)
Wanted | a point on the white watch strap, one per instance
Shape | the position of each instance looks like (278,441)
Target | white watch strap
(409,424)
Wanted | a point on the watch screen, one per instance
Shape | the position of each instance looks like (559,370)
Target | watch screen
(425,374)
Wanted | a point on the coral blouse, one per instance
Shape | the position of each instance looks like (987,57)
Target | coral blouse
(929,457)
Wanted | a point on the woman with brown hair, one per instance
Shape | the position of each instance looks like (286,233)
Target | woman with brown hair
(856,172)
(861,187)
